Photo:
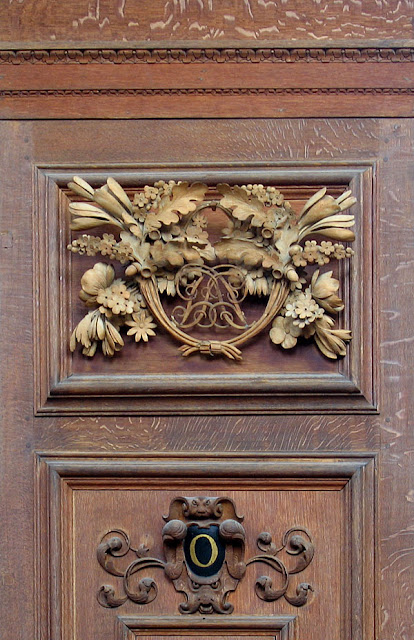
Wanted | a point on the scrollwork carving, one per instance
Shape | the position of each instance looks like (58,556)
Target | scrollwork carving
(204,546)
(165,250)
(106,597)
(115,544)
(296,542)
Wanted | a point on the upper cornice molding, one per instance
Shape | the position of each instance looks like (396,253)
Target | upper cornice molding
(207,55)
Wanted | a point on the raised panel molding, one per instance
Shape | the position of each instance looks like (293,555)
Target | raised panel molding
(62,390)
(62,480)
(260,627)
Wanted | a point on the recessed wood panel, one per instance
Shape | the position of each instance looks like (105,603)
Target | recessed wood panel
(213,628)
(270,507)
(156,372)
(83,499)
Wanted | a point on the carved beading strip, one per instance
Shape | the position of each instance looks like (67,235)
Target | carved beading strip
(205,91)
(214,55)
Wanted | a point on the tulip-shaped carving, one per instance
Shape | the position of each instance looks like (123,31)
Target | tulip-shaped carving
(164,249)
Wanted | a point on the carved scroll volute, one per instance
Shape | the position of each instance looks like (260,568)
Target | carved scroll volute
(296,542)
(232,531)
(173,534)
(204,546)
(114,545)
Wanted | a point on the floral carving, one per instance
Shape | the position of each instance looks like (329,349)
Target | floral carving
(164,248)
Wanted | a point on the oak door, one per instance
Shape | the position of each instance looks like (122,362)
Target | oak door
(150,495)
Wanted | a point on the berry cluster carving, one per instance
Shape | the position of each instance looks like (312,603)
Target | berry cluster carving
(162,244)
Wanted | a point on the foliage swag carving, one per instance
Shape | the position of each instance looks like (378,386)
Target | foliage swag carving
(165,250)
(204,544)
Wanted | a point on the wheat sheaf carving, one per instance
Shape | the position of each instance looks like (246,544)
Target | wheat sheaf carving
(161,241)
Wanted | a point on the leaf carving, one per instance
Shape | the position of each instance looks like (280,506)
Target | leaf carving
(119,193)
(89,216)
(173,254)
(164,231)
(243,206)
(183,200)
(331,341)
(240,251)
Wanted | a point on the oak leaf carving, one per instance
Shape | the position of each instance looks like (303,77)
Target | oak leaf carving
(183,199)
(173,254)
(243,207)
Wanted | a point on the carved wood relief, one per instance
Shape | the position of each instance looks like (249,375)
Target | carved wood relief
(165,249)
(204,547)
(65,381)
(82,498)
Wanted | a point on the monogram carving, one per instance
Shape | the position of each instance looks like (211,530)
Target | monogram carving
(165,251)
(204,547)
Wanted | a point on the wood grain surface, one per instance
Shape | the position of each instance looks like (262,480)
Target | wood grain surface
(121,83)
(389,143)
(311,21)
(329,495)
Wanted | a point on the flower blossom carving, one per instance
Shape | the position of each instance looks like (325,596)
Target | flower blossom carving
(266,250)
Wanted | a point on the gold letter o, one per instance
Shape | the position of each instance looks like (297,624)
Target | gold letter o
(214,551)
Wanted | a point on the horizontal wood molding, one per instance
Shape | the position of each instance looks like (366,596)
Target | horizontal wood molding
(206,82)
(198,91)
(176,54)
(82,470)
(62,390)
(116,104)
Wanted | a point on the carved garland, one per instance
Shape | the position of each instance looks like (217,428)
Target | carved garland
(204,542)
(165,250)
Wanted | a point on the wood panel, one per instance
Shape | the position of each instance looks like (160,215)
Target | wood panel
(82,498)
(308,21)
(268,372)
(290,83)
(265,628)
